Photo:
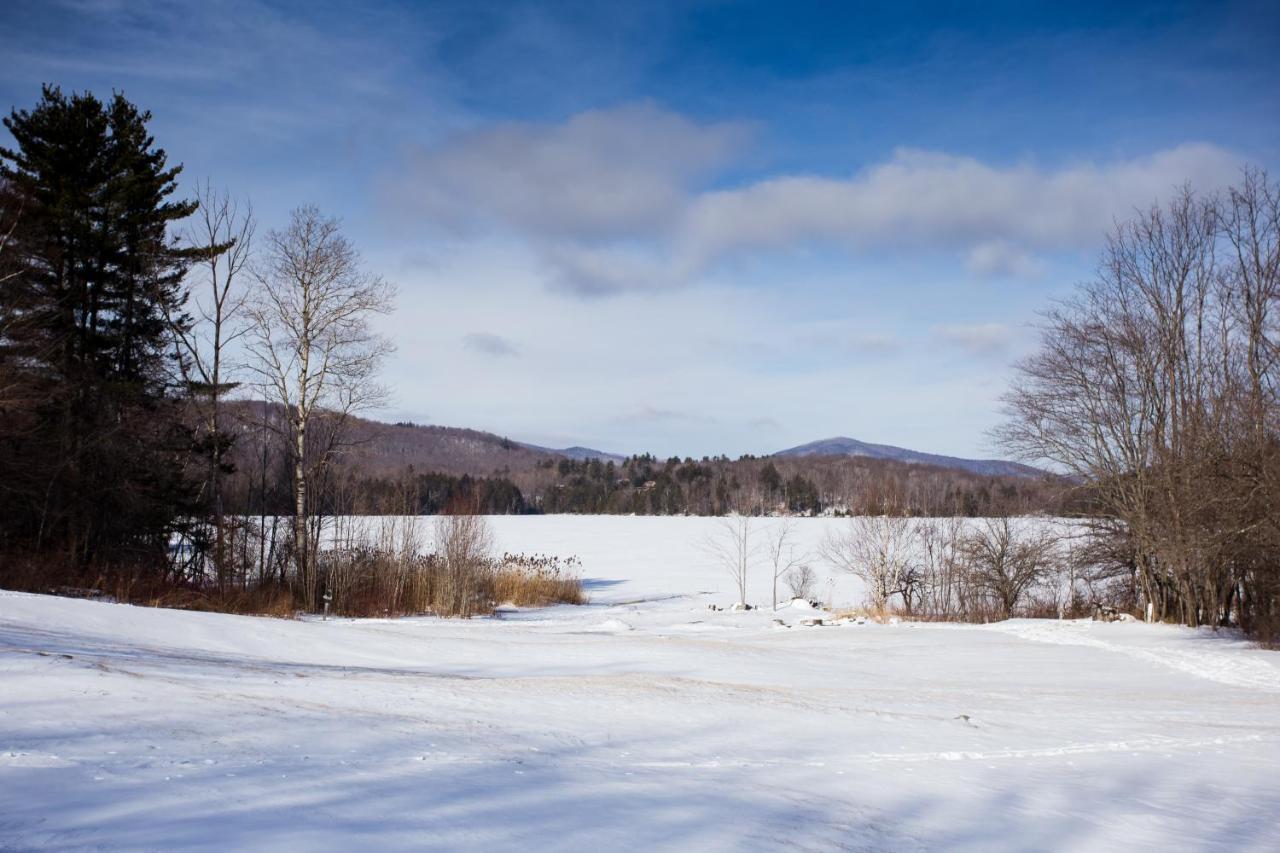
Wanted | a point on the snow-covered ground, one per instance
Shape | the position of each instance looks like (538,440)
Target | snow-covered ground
(641,721)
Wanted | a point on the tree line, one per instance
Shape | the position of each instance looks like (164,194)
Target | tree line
(645,485)
(955,569)
(366,479)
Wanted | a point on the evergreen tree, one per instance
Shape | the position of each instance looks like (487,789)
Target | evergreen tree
(802,495)
(770,480)
(94,467)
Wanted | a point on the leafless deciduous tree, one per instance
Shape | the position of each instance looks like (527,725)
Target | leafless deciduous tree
(1156,387)
(783,554)
(315,349)
(222,239)
(800,581)
(1006,563)
(733,546)
(879,550)
(944,589)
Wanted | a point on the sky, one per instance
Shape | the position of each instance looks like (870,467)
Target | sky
(692,228)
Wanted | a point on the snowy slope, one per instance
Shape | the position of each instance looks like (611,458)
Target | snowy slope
(642,721)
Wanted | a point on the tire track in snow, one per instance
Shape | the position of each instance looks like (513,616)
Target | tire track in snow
(1224,667)
(1148,744)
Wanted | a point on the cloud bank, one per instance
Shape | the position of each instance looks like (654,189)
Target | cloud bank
(626,199)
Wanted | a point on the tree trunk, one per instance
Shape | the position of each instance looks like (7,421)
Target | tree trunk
(301,549)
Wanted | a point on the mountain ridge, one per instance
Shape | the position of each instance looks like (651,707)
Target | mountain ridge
(845,446)
(387,446)
(577,452)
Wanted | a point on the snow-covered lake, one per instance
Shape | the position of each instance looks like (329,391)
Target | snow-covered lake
(641,721)
(626,558)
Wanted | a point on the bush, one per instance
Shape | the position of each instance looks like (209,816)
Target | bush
(800,581)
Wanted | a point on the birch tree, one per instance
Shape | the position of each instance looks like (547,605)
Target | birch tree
(314,347)
(782,553)
(733,547)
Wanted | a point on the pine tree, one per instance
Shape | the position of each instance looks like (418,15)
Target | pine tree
(770,480)
(95,465)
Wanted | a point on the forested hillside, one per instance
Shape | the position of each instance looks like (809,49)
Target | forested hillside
(393,468)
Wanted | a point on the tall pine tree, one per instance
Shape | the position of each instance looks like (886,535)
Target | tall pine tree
(92,466)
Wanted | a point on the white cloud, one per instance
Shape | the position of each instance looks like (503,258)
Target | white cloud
(617,200)
(921,199)
(998,258)
(656,415)
(609,173)
(766,424)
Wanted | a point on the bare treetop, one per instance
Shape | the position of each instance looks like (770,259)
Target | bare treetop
(312,333)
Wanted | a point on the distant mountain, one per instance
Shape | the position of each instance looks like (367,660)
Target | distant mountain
(385,449)
(842,446)
(579,453)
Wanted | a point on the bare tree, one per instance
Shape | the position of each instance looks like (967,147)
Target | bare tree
(1155,386)
(800,581)
(1250,225)
(313,345)
(1004,563)
(733,547)
(222,240)
(1249,220)
(944,591)
(878,549)
(783,555)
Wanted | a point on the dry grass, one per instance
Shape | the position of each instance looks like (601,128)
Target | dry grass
(870,614)
(371,582)
(392,576)
(537,581)
(267,600)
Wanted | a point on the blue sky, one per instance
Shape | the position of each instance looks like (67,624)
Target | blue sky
(693,228)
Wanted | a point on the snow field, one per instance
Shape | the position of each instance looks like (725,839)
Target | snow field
(641,721)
